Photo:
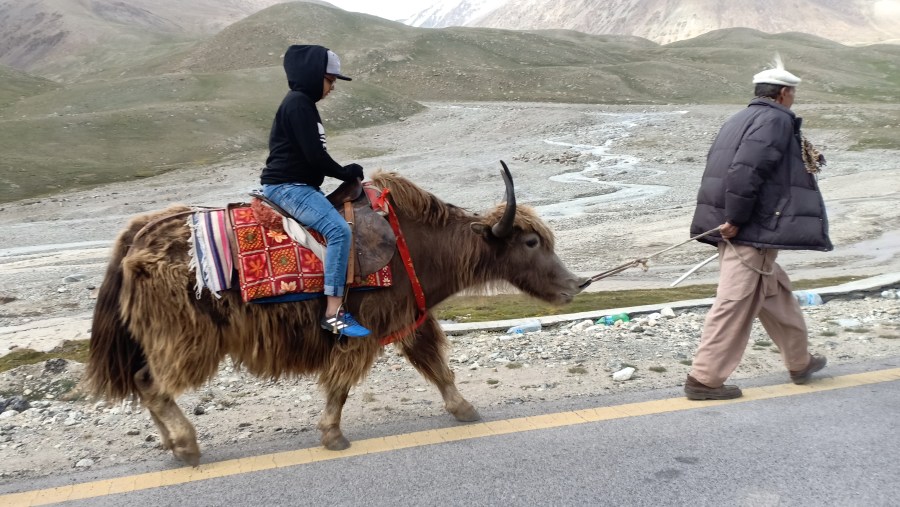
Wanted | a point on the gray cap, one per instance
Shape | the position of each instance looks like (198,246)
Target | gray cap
(334,66)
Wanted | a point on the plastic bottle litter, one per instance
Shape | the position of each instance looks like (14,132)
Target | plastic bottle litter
(610,320)
(849,323)
(528,326)
(807,298)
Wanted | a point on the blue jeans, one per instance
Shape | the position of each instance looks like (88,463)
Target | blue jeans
(309,206)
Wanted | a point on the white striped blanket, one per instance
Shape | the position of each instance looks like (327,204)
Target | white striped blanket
(210,252)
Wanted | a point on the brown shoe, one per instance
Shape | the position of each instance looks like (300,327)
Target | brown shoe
(816,363)
(697,391)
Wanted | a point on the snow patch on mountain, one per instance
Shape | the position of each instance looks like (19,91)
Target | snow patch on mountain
(454,13)
(665,21)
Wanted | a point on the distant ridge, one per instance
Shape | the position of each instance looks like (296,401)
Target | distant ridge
(42,35)
(555,65)
(665,21)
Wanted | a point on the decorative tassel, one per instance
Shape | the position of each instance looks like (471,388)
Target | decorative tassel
(812,159)
(193,255)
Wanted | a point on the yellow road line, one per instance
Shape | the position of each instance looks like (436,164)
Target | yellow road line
(422,438)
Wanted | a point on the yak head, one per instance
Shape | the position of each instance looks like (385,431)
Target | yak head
(521,251)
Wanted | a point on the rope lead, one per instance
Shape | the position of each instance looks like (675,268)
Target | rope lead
(642,262)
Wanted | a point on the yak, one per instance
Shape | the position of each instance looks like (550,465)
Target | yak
(152,338)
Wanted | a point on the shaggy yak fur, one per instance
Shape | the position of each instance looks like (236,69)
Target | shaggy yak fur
(153,339)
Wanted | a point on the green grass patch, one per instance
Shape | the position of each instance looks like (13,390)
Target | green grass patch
(104,131)
(762,343)
(65,389)
(686,362)
(856,330)
(515,306)
(657,369)
(72,350)
(492,382)
(889,336)
(878,142)
(512,306)
(15,85)
(827,333)
(513,365)
(578,370)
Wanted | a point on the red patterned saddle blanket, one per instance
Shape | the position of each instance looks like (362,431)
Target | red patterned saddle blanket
(258,243)
(270,263)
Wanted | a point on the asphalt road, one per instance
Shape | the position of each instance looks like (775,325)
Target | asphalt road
(834,444)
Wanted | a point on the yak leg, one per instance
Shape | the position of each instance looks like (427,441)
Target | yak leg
(177,433)
(150,399)
(427,352)
(348,365)
(330,425)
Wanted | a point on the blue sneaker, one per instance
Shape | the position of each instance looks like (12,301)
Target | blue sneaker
(343,324)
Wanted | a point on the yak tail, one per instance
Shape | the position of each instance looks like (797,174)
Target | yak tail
(114,355)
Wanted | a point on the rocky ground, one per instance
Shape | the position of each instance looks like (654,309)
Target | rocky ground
(613,182)
(47,426)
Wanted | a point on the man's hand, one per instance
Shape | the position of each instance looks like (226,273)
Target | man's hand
(728,230)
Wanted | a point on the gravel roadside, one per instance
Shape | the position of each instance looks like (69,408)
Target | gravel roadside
(43,430)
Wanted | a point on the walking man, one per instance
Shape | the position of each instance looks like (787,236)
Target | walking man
(760,189)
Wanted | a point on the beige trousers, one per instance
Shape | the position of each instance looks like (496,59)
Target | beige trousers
(743,295)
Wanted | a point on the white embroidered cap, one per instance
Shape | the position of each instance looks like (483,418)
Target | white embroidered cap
(777,75)
(334,66)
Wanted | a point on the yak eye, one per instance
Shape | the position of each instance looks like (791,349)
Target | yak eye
(532,242)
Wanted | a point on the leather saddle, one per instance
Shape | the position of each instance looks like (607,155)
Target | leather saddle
(373,243)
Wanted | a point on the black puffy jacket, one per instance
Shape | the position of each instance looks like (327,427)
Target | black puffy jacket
(297,147)
(755,178)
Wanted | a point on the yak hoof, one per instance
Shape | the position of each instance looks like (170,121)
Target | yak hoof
(466,413)
(335,440)
(189,456)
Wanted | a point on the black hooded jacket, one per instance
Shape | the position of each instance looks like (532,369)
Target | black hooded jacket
(755,178)
(297,148)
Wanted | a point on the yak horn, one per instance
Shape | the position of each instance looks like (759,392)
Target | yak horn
(504,227)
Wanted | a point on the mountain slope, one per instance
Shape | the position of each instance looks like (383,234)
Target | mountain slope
(15,85)
(488,64)
(664,21)
(60,37)
(202,102)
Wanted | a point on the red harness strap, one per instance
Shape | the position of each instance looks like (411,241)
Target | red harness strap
(383,203)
